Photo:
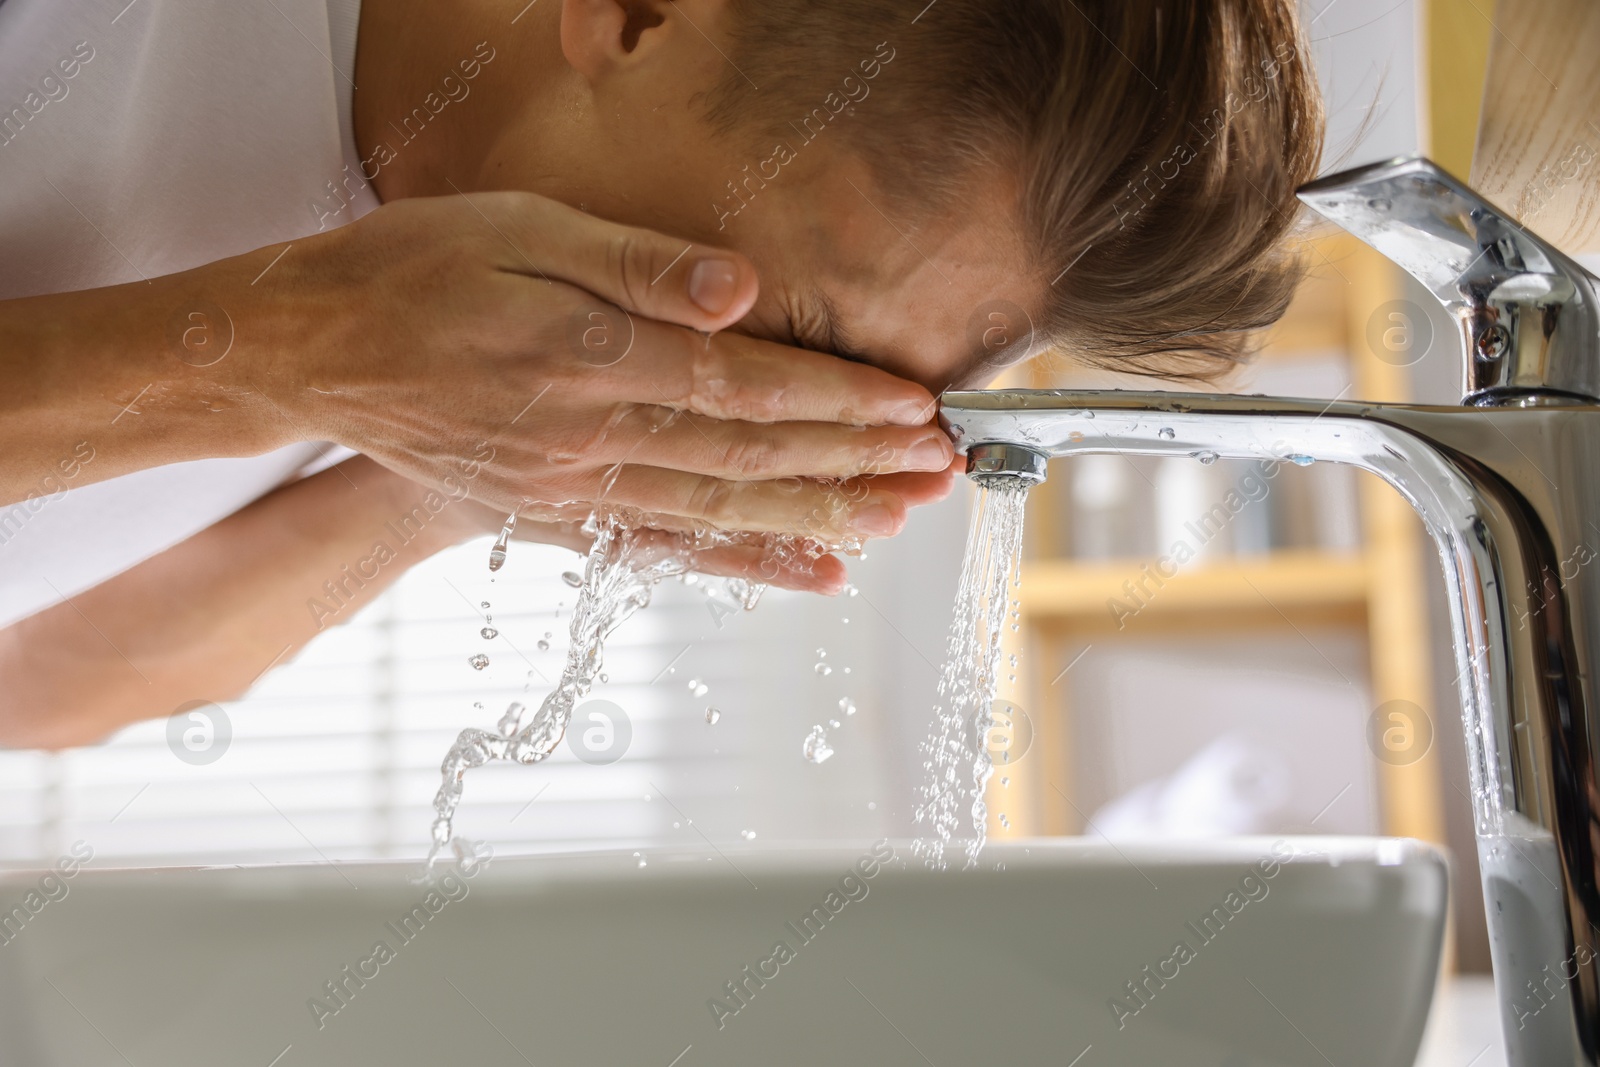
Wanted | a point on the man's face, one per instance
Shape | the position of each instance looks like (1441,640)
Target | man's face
(841,271)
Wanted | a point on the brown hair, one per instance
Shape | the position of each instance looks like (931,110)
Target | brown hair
(1157,143)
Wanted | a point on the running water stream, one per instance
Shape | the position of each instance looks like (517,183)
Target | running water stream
(957,756)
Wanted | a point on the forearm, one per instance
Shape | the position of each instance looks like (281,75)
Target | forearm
(119,371)
(205,619)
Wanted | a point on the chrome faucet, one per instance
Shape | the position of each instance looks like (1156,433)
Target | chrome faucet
(1508,485)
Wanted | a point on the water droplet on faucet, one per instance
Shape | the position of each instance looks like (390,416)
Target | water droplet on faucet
(1166,433)
(479,661)
(1206,458)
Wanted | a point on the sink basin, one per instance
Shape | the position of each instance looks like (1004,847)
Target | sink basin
(1298,951)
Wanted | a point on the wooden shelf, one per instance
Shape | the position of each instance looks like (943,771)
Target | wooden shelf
(1290,584)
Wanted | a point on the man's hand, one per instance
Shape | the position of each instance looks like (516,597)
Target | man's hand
(555,361)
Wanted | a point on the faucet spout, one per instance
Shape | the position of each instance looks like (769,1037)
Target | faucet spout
(1508,485)
(1511,498)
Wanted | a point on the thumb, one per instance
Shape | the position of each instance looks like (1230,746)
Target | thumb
(643,272)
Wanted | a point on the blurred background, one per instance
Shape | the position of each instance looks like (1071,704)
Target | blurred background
(1294,677)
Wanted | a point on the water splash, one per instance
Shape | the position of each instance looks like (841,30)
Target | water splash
(624,565)
(615,585)
(958,765)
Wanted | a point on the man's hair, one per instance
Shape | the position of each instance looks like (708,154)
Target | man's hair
(1157,145)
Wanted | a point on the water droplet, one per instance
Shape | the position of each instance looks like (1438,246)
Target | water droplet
(816,747)
(748,835)
(698,688)
(956,429)
(833,723)
(872,805)
(544,646)
(572,579)
(851,590)
(641,859)
(604,677)
(1088,414)
(713,716)
(847,670)
(823,669)
(484,605)
(478,704)
(847,705)
(1300,460)
(1206,458)
(1005,822)
(1166,433)
(479,662)
(497,554)
(822,653)
(1380,203)
(489,633)
(676,825)
(1005,783)
(846,621)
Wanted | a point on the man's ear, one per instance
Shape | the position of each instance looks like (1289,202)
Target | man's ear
(598,36)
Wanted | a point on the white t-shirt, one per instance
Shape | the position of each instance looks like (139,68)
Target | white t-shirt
(136,140)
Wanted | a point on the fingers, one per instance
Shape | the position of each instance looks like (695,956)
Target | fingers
(646,273)
(803,572)
(743,451)
(731,376)
(917,488)
(831,512)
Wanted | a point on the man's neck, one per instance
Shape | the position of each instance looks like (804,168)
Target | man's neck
(442,83)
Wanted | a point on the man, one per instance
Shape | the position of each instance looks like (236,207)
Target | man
(926,191)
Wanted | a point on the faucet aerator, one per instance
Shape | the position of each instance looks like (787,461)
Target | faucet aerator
(1007,460)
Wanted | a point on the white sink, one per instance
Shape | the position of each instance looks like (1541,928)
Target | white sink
(593,960)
